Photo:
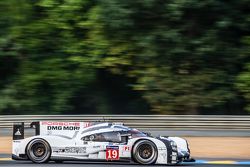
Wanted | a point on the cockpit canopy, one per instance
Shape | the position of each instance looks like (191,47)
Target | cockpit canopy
(116,136)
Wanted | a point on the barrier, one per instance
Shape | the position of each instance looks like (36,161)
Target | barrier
(190,122)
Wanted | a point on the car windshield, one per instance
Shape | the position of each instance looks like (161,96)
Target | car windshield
(104,137)
(136,133)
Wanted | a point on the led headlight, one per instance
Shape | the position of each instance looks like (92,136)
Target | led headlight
(174,146)
(173,143)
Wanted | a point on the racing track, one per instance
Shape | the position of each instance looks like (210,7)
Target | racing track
(109,164)
(5,161)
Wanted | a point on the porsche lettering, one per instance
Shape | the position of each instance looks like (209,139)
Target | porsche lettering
(61,123)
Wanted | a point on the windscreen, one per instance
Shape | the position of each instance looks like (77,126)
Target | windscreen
(136,133)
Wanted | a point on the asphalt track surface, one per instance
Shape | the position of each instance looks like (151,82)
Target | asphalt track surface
(5,161)
(107,164)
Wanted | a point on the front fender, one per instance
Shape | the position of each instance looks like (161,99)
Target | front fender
(161,148)
(182,144)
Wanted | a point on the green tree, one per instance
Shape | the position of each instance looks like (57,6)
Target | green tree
(243,79)
(184,54)
(53,59)
(85,56)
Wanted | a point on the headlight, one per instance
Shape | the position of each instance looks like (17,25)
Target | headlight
(173,143)
(174,146)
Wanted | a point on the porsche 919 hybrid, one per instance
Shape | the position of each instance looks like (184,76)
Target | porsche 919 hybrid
(92,141)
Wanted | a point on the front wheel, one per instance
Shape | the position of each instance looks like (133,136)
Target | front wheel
(145,152)
(38,151)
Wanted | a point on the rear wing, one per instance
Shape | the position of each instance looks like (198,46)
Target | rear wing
(19,129)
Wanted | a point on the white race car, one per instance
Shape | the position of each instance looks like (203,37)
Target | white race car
(104,141)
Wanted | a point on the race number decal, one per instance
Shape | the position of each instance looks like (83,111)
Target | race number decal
(112,153)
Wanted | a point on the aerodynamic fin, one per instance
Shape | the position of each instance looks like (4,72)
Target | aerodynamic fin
(18,131)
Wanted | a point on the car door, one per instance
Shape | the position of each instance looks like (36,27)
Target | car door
(101,146)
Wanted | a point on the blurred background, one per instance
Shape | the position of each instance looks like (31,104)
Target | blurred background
(125,57)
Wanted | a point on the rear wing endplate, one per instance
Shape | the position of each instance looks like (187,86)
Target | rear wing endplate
(18,129)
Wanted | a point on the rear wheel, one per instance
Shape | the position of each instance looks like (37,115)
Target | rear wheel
(39,151)
(145,152)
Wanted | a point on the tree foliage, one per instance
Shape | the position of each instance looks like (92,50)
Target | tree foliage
(122,56)
(184,54)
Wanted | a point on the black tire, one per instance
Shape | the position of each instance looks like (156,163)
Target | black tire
(38,151)
(145,152)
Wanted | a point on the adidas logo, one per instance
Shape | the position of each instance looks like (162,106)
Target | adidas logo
(18,133)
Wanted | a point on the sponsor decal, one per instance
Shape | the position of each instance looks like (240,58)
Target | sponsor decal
(112,153)
(71,126)
(162,148)
(18,133)
(77,150)
(16,141)
(48,123)
(96,146)
(86,124)
(126,148)
(62,128)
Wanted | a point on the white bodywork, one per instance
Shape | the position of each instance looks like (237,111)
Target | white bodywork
(67,142)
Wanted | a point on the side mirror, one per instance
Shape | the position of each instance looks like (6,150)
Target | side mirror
(147,133)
